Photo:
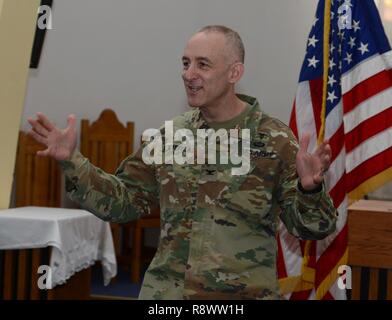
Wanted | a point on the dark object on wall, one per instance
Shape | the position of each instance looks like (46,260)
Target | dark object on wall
(39,38)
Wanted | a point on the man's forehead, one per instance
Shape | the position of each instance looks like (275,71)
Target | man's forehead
(209,45)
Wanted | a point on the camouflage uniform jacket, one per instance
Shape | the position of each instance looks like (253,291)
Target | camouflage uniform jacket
(218,231)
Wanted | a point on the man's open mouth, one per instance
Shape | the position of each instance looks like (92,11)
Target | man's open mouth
(194,89)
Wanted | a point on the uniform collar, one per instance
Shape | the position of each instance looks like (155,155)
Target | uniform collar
(196,121)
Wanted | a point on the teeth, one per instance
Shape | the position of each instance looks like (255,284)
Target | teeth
(194,89)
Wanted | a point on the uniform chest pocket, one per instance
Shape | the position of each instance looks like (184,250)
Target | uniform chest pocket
(174,187)
(253,197)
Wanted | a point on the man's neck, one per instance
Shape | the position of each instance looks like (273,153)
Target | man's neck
(225,110)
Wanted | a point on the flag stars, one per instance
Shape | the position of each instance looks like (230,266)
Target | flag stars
(315,21)
(348,58)
(331,96)
(331,64)
(341,35)
(332,48)
(340,48)
(363,48)
(356,26)
(331,80)
(352,42)
(313,62)
(313,41)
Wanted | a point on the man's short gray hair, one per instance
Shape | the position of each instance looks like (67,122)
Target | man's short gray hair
(232,37)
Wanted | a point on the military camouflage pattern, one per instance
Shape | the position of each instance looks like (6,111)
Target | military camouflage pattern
(218,231)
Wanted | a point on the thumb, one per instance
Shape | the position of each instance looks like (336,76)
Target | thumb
(43,153)
(304,142)
(71,121)
(318,179)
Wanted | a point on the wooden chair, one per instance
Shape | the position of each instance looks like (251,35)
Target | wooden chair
(137,259)
(106,142)
(370,249)
(37,179)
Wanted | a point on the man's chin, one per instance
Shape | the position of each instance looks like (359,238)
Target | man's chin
(194,104)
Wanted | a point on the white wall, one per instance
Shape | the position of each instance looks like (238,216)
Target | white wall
(127,55)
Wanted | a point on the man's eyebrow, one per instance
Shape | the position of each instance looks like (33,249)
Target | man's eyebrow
(204,59)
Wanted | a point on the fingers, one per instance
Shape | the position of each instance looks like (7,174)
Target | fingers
(304,142)
(324,147)
(45,121)
(38,137)
(324,153)
(325,162)
(327,150)
(38,128)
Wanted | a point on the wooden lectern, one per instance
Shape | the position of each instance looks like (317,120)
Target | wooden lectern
(370,249)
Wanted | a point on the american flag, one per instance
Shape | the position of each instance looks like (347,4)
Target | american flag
(344,95)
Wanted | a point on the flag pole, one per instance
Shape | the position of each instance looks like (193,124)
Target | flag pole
(327,29)
(308,273)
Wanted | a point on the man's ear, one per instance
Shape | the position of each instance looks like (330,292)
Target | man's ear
(236,72)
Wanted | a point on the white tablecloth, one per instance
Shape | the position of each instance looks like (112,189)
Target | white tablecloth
(78,239)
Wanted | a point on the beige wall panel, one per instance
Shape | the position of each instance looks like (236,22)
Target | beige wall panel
(17,28)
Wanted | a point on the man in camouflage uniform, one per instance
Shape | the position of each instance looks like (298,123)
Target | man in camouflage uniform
(218,230)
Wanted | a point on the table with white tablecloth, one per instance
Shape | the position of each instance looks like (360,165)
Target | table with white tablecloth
(78,239)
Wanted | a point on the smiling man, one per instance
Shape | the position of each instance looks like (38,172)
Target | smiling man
(218,230)
(213,63)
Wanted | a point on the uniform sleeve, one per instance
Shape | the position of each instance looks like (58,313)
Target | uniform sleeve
(306,216)
(125,196)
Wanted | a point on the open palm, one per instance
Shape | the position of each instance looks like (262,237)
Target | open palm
(59,143)
(311,167)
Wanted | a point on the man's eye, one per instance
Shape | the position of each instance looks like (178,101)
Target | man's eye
(185,65)
(203,65)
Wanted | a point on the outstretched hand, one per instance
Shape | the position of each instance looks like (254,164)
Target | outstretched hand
(311,167)
(60,143)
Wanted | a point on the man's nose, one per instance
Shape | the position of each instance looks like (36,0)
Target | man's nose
(190,73)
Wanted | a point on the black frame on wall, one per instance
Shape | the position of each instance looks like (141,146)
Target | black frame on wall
(39,39)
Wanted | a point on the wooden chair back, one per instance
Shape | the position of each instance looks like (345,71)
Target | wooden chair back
(370,249)
(106,142)
(37,179)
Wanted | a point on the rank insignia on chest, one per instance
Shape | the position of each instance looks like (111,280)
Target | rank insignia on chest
(262,154)
(209,174)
